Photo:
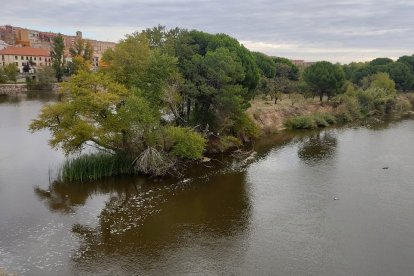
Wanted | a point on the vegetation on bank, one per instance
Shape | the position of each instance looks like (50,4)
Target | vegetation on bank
(166,96)
(96,166)
(379,98)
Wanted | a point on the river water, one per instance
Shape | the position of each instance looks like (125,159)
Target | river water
(273,215)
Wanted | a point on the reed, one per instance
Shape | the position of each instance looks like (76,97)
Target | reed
(95,166)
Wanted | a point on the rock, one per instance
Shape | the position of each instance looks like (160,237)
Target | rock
(385,168)
(205,159)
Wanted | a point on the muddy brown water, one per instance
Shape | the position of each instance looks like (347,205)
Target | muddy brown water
(273,215)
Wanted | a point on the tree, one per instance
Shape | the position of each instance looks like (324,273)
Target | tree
(97,111)
(266,65)
(324,78)
(129,61)
(379,80)
(44,81)
(3,76)
(56,55)
(77,64)
(402,75)
(11,72)
(292,69)
(82,48)
(409,60)
(381,61)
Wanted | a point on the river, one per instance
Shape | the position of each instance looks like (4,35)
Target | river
(339,201)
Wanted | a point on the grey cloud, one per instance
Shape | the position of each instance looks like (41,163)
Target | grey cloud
(359,28)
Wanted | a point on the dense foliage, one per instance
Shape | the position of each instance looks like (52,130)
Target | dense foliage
(324,78)
(56,54)
(162,93)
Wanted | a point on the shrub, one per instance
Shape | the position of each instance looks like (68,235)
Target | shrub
(229,142)
(244,127)
(410,97)
(402,104)
(184,143)
(376,100)
(153,162)
(301,122)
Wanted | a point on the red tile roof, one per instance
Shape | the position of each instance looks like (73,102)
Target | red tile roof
(25,51)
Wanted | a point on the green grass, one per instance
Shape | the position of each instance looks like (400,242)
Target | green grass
(95,166)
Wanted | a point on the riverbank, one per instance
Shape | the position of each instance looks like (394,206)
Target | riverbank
(20,88)
(270,117)
(12,89)
(298,112)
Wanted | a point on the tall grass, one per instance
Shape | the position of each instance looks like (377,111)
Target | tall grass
(95,166)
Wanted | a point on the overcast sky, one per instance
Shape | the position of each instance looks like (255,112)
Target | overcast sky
(334,30)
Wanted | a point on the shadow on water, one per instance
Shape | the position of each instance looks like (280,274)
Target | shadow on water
(145,218)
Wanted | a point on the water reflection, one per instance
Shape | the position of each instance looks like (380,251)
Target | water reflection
(144,218)
(42,96)
(318,147)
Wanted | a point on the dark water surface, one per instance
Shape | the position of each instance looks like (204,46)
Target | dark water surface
(274,215)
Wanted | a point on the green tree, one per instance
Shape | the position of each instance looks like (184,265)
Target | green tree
(90,111)
(129,61)
(97,111)
(3,76)
(409,60)
(82,48)
(289,70)
(11,72)
(56,54)
(381,61)
(324,78)
(266,65)
(379,80)
(402,75)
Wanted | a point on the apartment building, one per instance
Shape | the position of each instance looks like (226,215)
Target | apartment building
(21,56)
(27,38)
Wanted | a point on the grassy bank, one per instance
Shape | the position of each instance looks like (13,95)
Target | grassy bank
(300,113)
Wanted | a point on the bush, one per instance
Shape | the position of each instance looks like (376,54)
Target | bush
(402,104)
(153,162)
(376,100)
(229,142)
(348,108)
(245,128)
(301,122)
(184,143)
(410,97)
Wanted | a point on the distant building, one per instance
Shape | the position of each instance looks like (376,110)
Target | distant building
(301,63)
(3,45)
(20,37)
(22,56)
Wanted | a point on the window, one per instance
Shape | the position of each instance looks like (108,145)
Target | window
(15,57)
(30,58)
(40,58)
(21,57)
(17,64)
(34,58)
(27,58)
